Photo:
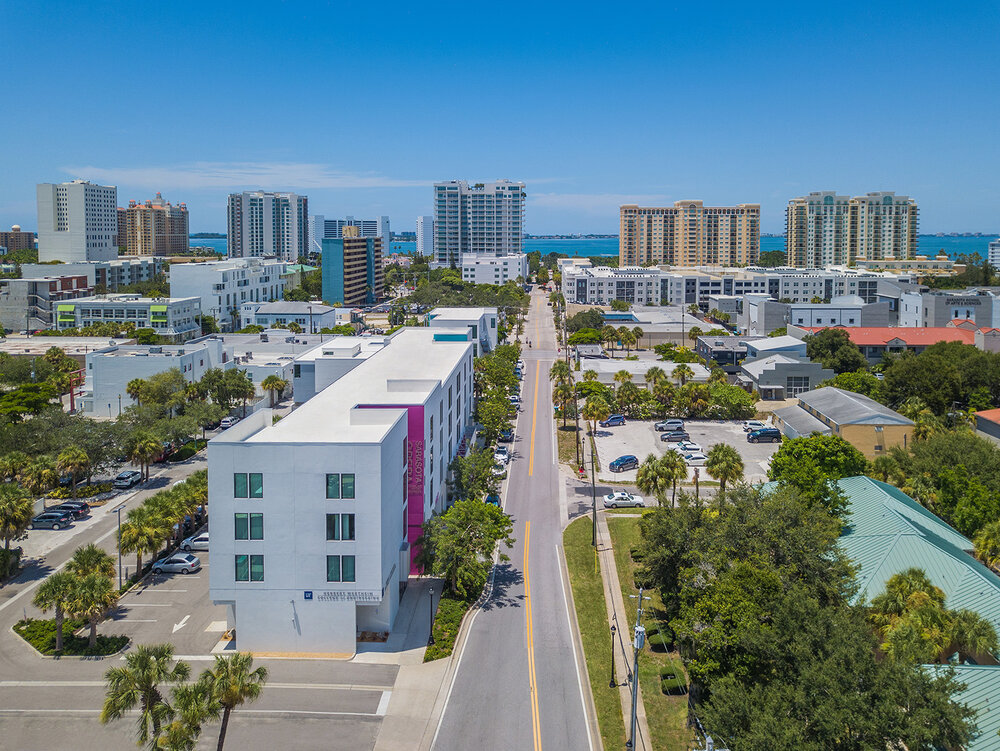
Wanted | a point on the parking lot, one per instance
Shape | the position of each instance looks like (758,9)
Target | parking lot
(640,439)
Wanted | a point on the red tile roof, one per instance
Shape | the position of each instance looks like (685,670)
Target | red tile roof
(993,415)
(914,337)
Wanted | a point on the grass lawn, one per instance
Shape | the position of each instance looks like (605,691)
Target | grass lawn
(592,617)
(567,443)
(666,715)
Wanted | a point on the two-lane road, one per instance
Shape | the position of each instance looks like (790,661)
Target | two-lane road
(518,685)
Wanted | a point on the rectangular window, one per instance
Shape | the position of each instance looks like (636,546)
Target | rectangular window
(347,526)
(242,524)
(256,568)
(240,485)
(256,485)
(242,568)
(347,486)
(333,526)
(256,526)
(333,568)
(333,486)
(347,568)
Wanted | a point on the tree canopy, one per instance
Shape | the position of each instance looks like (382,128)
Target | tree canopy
(834,348)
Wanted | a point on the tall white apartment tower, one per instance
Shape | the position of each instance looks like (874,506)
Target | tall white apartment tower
(384,232)
(77,222)
(485,219)
(268,224)
(425,235)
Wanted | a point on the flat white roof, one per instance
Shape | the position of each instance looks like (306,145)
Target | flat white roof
(407,371)
(345,347)
(460,314)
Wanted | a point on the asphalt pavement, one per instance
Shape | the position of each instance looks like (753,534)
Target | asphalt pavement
(518,685)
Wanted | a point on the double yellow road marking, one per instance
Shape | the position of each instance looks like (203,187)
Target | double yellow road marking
(536,726)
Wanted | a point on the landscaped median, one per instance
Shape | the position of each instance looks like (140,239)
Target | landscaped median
(41,634)
(595,634)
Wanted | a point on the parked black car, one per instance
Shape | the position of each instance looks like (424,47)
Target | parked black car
(675,435)
(624,463)
(78,512)
(765,434)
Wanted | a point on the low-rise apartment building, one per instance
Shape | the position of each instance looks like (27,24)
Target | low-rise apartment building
(600,285)
(481,323)
(224,286)
(327,503)
(106,275)
(489,269)
(173,317)
(779,376)
(29,304)
(875,343)
(312,317)
(870,427)
(760,315)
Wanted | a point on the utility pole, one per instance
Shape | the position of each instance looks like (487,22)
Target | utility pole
(593,492)
(638,642)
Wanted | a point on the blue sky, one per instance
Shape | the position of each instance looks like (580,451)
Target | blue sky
(361,106)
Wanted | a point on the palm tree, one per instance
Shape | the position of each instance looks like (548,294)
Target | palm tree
(725,465)
(622,376)
(609,336)
(590,375)
(73,460)
(16,510)
(12,464)
(693,309)
(137,684)
(562,396)
(140,534)
(560,372)
(718,375)
(145,448)
(595,409)
(971,634)
(912,407)
(233,682)
(637,334)
(654,375)
(673,467)
(987,542)
(652,478)
(136,389)
(628,397)
(39,476)
(663,393)
(624,334)
(90,559)
(694,332)
(92,598)
(192,706)
(682,372)
(54,593)
(884,468)
(899,589)
(273,385)
(926,425)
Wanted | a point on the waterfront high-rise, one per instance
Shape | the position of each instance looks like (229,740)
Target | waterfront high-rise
(485,219)
(824,229)
(156,228)
(268,224)
(352,269)
(689,234)
(425,235)
(77,221)
(16,240)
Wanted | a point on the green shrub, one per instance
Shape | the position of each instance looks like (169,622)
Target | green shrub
(82,491)
(187,451)
(673,681)
(10,562)
(661,640)
(447,620)
(41,634)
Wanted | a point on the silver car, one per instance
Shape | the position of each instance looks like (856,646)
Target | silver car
(195,542)
(622,498)
(178,563)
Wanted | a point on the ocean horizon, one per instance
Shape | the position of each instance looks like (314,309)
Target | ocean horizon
(929,245)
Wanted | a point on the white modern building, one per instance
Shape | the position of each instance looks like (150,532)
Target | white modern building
(77,221)
(268,224)
(310,316)
(761,315)
(480,322)
(487,269)
(328,361)
(109,369)
(107,274)
(425,235)
(225,286)
(175,317)
(993,253)
(590,285)
(29,304)
(321,228)
(327,503)
(485,219)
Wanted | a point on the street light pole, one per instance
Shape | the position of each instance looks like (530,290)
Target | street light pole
(430,638)
(119,512)
(614,630)
(593,492)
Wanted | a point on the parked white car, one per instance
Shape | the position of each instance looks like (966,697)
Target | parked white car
(695,459)
(751,425)
(228,422)
(195,542)
(499,470)
(501,455)
(624,499)
(686,447)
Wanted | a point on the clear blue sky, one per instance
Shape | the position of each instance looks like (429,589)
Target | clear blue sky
(361,106)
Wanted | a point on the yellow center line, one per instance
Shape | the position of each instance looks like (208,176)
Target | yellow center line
(534,420)
(536,725)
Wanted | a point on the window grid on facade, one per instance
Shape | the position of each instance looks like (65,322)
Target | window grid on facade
(249,568)
(340,486)
(248,485)
(340,568)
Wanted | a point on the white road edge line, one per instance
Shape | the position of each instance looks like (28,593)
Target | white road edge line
(576,660)
(383,703)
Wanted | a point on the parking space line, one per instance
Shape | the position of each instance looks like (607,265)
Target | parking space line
(383,703)
(148,605)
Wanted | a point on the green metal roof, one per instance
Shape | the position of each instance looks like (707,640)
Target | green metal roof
(982,686)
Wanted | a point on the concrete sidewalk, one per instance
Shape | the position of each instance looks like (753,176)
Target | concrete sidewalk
(615,604)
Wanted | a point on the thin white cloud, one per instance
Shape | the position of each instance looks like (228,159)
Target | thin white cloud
(593,203)
(286,175)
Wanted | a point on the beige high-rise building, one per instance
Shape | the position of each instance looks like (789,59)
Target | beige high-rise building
(689,234)
(156,228)
(824,229)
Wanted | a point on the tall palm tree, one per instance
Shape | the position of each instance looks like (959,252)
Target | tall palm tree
(637,334)
(16,511)
(609,335)
(884,468)
(987,542)
(971,634)
(725,464)
(663,392)
(140,534)
(137,684)
(900,587)
(654,376)
(625,337)
(560,372)
(594,410)
(590,375)
(233,682)
(652,478)
(192,705)
(682,372)
(694,333)
(39,476)
(91,559)
(54,593)
(136,389)
(92,598)
(73,460)
(145,448)
(273,385)
(672,466)
(912,407)
(628,397)
(622,376)
(12,464)
(562,396)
